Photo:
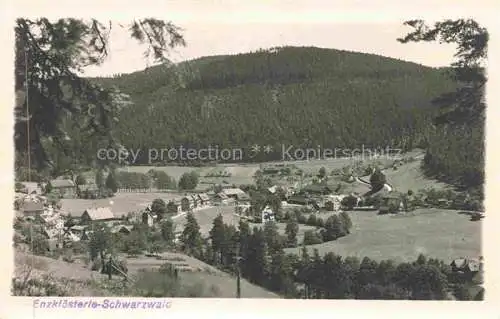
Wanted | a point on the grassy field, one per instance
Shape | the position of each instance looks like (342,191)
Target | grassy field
(82,277)
(443,234)
(410,176)
(205,219)
(208,275)
(122,203)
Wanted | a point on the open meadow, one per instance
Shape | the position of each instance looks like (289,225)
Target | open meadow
(443,234)
(120,204)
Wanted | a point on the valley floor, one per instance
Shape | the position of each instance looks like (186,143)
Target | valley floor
(443,234)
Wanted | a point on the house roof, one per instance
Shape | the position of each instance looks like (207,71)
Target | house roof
(118,228)
(232,191)
(100,213)
(222,195)
(31,207)
(189,198)
(472,264)
(60,183)
(317,188)
(272,189)
(204,196)
(78,227)
(243,196)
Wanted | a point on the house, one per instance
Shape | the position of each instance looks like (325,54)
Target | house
(222,199)
(122,229)
(298,199)
(333,202)
(392,202)
(187,203)
(31,209)
(100,214)
(89,191)
(65,187)
(317,189)
(147,218)
(31,188)
(68,235)
(467,265)
(77,230)
(267,215)
(204,199)
(195,199)
(176,207)
(234,193)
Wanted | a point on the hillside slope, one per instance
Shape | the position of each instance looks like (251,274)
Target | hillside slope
(300,96)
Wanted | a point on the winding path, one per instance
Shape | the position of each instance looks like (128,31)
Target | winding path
(386,185)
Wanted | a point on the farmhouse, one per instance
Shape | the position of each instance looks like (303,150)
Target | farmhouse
(31,209)
(204,199)
(222,199)
(392,202)
(31,188)
(235,193)
(100,214)
(66,187)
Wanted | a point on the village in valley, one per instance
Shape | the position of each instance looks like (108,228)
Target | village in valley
(310,210)
(364,225)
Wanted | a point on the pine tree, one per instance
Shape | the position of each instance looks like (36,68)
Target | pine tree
(191,237)
(291,231)
(217,237)
(111,183)
(99,179)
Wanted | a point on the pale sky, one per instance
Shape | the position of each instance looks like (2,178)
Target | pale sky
(214,27)
(230,37)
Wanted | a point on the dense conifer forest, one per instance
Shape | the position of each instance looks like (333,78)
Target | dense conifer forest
(300,96)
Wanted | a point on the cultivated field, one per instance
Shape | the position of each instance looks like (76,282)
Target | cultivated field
(443,234)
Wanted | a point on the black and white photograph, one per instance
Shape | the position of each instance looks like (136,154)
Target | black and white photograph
(167,157)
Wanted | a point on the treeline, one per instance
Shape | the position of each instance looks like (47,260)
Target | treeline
(155,178)
(456,155)
(259,256)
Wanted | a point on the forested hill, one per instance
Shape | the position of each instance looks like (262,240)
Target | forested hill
(301,96)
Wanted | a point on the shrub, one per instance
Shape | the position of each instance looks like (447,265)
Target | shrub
(29,285)
(301,219)
(311,221)
(320,223)
(373,201)
(312,238)
(97,265)
(349,202)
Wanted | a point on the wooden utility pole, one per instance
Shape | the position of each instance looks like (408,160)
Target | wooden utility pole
(238,277)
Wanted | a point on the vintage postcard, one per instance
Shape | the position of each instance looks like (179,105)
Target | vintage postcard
(258,155)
